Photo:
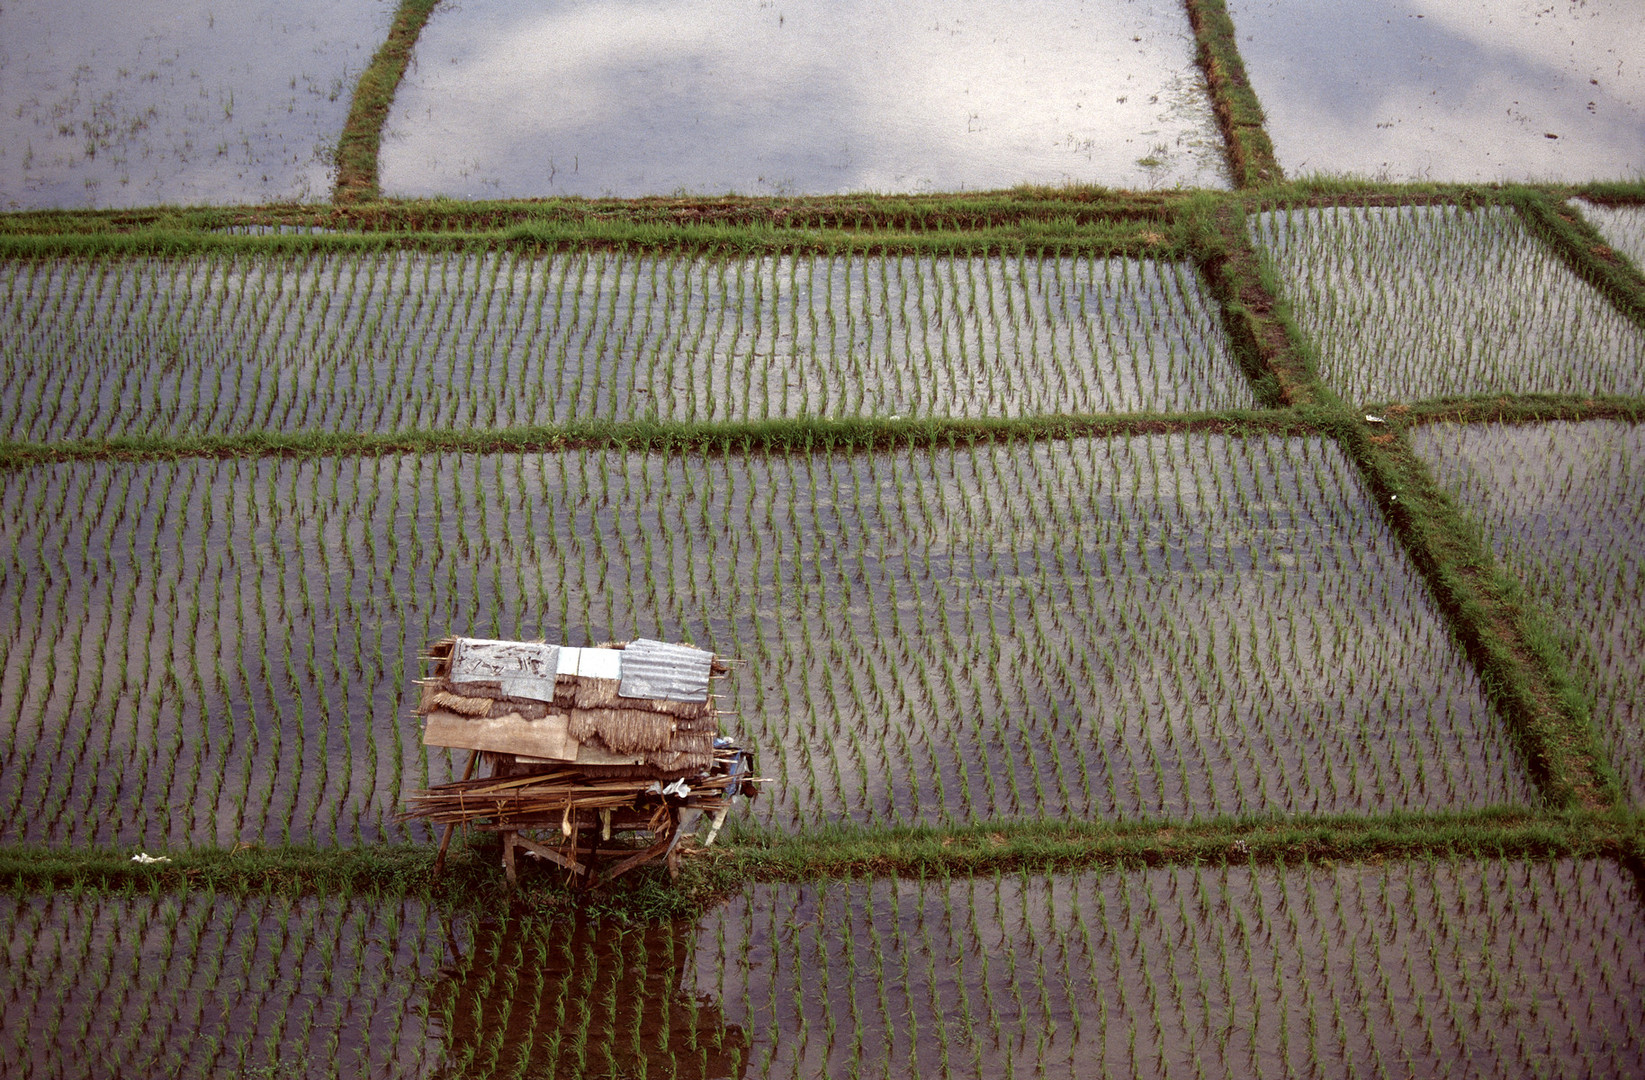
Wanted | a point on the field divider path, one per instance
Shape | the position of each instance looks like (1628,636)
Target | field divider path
(362,136)
(773,856)
(1505,633)
(1513,409)
(1040,237)
(1583,249)
(805,435)
(1251,158)
(1082,207)
(1269,347)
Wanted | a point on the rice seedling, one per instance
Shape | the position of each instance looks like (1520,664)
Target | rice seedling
(383,342)
(205,984)
(1189,971)
(1563,506)
(1622,226)
(1414,302)
(1155,625)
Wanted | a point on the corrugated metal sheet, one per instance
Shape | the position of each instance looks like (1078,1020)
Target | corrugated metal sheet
(524,669)
(656,669)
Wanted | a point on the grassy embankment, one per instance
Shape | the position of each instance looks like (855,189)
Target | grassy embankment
(857,852)
(373,94)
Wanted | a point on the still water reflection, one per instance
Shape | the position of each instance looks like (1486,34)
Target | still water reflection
(1454,90)
(182,101)
(627,98)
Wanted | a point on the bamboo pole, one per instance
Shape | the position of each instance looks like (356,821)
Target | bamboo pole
(445,839)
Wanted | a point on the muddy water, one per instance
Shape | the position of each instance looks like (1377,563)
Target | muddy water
(1153,626)
(1450,90)
(1564,508)
(1482,969)
(382,343)
(190,102)
(775,97)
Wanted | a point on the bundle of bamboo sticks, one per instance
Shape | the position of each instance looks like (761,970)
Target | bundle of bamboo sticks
(552,795)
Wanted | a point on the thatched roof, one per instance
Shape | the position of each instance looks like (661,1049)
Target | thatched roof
(637,705)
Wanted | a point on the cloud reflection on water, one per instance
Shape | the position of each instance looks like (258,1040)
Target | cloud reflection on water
(607,97)
(1458,90)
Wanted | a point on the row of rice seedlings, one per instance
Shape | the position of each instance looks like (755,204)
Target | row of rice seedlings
(1414,302)
(1392,970)
(1564,508)
(379,342)
(1622,226)
(138,983)
(1410,968)
(1164,625)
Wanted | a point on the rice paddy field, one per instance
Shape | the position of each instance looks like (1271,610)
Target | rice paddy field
(1623,227)
(224,346)
(144,102)
(1190,628)
(1167,625)
(1464,90)
(805,97)
(1562,505)
(1468,968)
(1415,302)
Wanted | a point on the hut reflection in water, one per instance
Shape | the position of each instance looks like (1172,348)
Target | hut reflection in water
(539,996)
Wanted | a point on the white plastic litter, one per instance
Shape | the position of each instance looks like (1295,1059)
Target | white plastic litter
(1369,419)
(146,859)
(714,830)
(679,789)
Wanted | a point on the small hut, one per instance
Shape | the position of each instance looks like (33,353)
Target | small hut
(597,760)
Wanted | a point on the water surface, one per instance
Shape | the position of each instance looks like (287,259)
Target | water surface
(145,102)
(1453,90)
(761,97)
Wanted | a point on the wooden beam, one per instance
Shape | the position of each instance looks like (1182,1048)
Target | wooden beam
(548,853)
(654,851)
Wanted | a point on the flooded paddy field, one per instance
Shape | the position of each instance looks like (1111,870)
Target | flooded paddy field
(1403,968)
(1449,90)
(143,102)
(1166,625)
(1622,226)
(1563,506)
(1203,645)
(1415,302)
(379,342)
(603,98)
(106,984)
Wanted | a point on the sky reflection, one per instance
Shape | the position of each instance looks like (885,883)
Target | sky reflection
(636,97)
(1454,90)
